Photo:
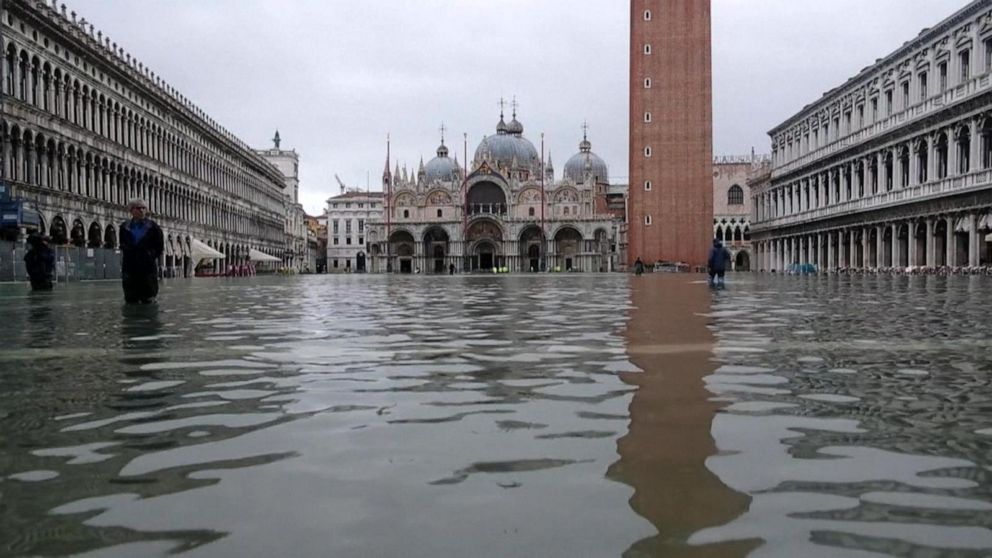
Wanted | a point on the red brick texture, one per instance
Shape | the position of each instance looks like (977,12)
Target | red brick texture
(680,133)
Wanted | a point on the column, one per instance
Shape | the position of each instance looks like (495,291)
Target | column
(879,246)
(914,164)
(976,144)
(931,245)
(974,240)
(32,156)
(895,245)
(820,243)
(950,249)
(865,261)
(830,250)
(911,244)
(810,257)
(853,252)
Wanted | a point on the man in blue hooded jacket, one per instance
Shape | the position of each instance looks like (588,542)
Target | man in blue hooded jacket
(717,263)
(142,244)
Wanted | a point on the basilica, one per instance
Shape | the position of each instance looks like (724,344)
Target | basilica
(503,211)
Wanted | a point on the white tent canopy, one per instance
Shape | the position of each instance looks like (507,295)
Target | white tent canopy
(259,256)
(200,251)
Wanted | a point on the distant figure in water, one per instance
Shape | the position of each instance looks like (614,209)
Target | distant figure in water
(638,267)
(451,269)
(717,264)
(40,263)
(142,244)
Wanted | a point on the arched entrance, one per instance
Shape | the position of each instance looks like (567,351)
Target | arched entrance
(568,246)
(484,238)
(531,247)
(110,237)
(485,198)
(743,261)
(401,247)
(436,249)
(940,243)
(58,232)
(95,236)
(78,235)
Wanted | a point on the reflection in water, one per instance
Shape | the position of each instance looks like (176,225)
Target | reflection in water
(668,440)
(322,416)
(482,416)
(858,415)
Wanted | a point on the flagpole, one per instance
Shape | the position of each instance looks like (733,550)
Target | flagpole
(544,240)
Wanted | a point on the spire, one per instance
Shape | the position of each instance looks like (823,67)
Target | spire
(276,140)
(515,127)
(584,145)
(501,127)
(387,179)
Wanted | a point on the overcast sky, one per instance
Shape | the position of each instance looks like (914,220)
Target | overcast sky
(335,76)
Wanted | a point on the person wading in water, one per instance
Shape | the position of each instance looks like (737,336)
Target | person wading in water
(142,244)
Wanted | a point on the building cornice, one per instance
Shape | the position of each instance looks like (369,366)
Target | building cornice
(920,41)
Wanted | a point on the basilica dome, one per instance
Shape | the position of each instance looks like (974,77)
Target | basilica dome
(442,168)
(585,161)
(506,146)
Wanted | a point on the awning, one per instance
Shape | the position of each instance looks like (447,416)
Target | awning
(200,251)
(988,238)
(259,256)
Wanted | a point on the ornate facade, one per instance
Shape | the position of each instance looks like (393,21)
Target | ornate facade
(732,206)
(86,126)
(349,216)
(893,168)
(506,211)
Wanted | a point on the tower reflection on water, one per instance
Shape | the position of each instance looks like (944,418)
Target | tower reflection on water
(663,455)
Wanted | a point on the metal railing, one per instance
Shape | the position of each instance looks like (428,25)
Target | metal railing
(72,263)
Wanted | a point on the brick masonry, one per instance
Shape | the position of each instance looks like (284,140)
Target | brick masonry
(679,134)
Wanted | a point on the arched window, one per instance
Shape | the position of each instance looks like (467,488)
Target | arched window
(530,211)
(440,213)
(406,213)
(735,196)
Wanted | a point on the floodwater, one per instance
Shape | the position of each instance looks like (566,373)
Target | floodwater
(493,416)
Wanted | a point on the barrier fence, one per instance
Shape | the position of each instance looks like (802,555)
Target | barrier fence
(72,263)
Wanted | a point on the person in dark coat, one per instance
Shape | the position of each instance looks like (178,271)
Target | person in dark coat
(39,261)
(638,266)
(142,244)
(717,263)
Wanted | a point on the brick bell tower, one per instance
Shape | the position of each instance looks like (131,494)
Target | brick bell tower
(671,132)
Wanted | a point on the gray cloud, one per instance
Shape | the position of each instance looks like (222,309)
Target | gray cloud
(335,76)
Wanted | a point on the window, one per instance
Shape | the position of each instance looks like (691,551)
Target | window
(406,213)
(361,240)
(361,226)
(888,103)
(647,49)
(942,72)
(923,86)
(647,83)
(335,262)
(647,15)
(335,241)
(647,185)
(530,211)
(905,94)
(372,205)
(347,226)
(874,109)
(565,211)
(861,116)
(335,226)
(347,241)
(647,117)
(334,205)
(347,206)
(647,220)
(735,196)
(347,264)
(964,62)
(847,122)
(647,151)
(361,205)
(988,54)
(440,213)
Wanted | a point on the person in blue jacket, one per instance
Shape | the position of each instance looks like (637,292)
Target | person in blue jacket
(717,263)
(142,244)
